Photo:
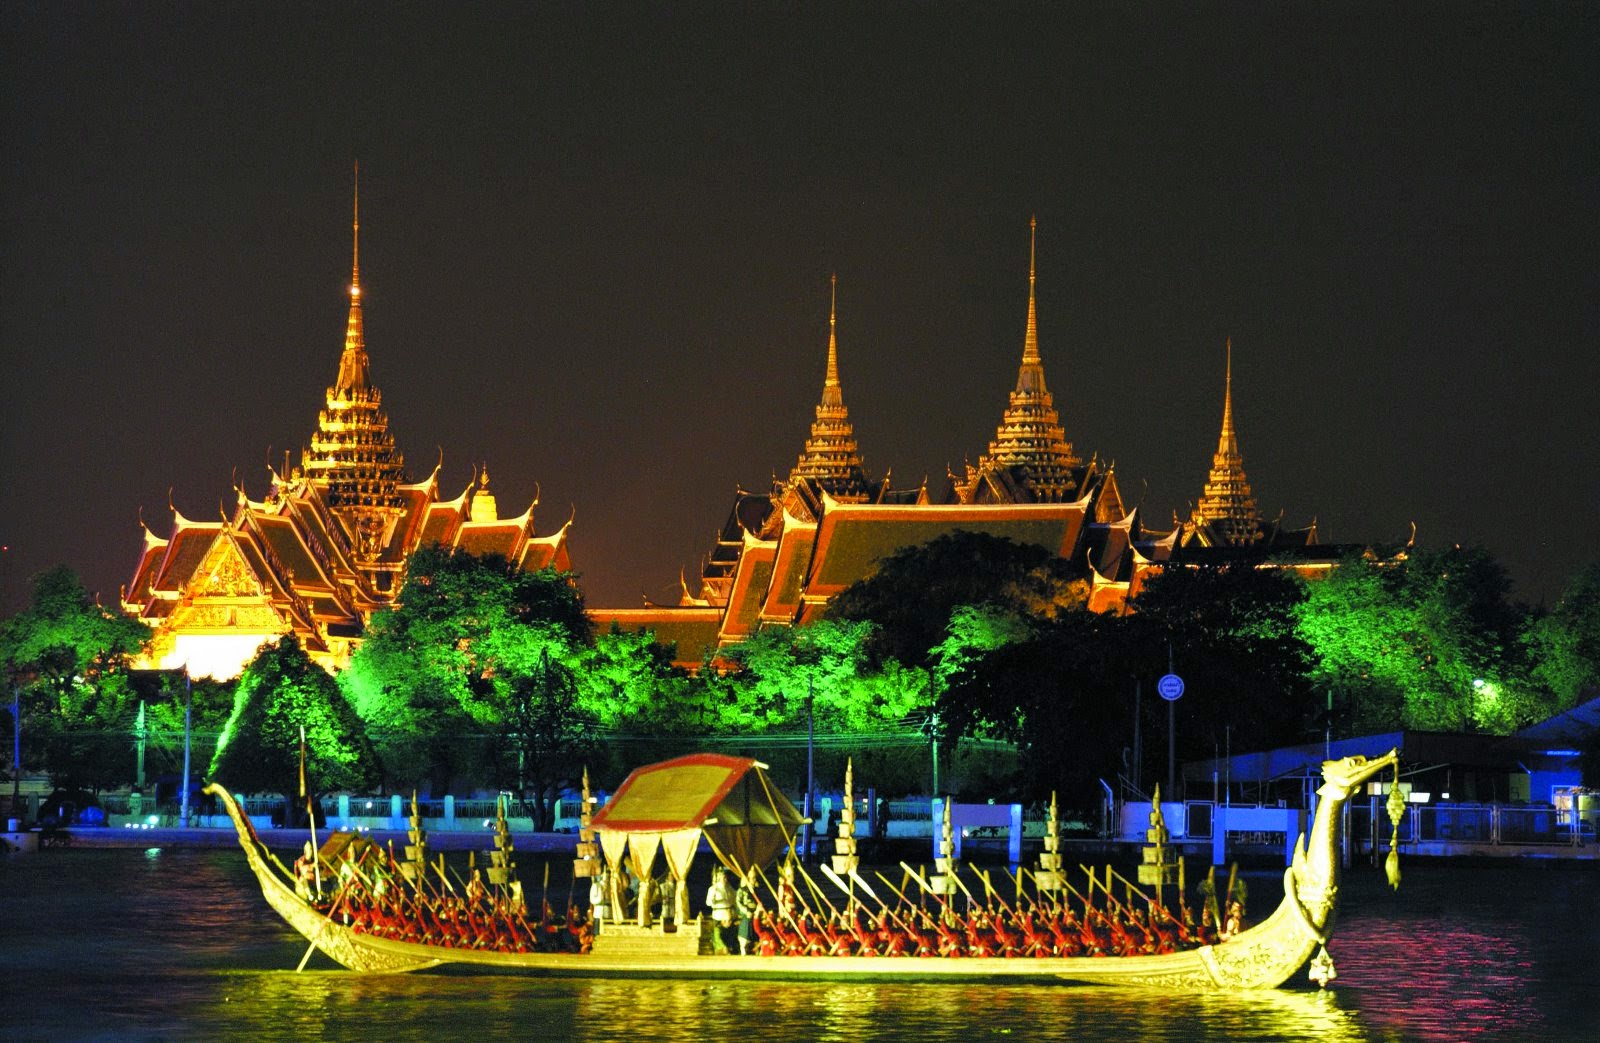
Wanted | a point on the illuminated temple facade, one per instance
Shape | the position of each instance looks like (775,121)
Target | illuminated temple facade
(782,554)
(329,542)
(325,548)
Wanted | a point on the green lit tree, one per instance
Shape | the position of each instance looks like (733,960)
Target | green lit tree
(1563,646)
(628,683)
(1428,641)
(280,692)
(67,658)
(432,676)
(545,736)
(826,663)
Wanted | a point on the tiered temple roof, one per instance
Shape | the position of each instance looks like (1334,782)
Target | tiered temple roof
(831,458)
(1226,514)
(325,549)
(352,454)
(779,559)
(1030,459)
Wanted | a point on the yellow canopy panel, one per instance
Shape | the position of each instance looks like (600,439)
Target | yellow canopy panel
(747,819)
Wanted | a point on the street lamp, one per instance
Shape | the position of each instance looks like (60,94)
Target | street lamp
(811,744)
(188,712)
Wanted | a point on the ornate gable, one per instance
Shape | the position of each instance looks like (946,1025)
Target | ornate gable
(224,572)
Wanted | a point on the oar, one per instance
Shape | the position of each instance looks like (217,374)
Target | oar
(816,890)
(901,895)
(777,904)
(317,935)
(881,903)
(1037,901)
(856,877)
(1111,898)
(988,890)
(837,880)
(927,888)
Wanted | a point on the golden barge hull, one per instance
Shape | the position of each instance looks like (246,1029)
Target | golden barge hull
(1262,957)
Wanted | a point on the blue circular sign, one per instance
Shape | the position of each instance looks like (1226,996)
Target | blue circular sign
(1170,686)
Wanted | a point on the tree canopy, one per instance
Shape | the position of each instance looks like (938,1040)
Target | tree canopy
(1427,640)
(280,692)
(1563,646)
(432,676)
(827,663)
(67,658)
(913,592)
(1230,631)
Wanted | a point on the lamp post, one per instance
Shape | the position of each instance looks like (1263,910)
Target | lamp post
(139,736)
(811,744)
(1170,688)
(1138,740)
(188,712)
(16,749)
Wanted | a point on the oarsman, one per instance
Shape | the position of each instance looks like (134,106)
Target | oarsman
(839,939)
(768,935)
(866,941)
(788,898)
(816,942)
(1208,928)
(1007,943)
(305,869)
(1036,941)
(719,900)
(745,906)
(1235,921)
(891,942)
(950,943)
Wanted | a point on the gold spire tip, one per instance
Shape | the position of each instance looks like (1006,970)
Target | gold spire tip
(355,234)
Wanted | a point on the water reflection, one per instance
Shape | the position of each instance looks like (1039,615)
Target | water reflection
(179,945)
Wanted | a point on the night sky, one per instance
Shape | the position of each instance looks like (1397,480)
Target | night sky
(596,243)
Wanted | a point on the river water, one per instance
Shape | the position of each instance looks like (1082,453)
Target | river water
(178,944)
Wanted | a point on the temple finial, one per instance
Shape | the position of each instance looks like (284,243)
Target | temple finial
(1229,439)
(355,236)
(831,455)
(833,336)
(1030,342)
(1228,506)
(353,363)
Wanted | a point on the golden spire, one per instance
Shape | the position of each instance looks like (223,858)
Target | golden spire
(352,456)
(1229,442)
(1227,505)
(355,235)
(832,379)
(831,455)
(1030,340)
(353,363)
(1030,442)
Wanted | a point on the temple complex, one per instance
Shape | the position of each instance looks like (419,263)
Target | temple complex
(781,555)
(325,548)
(329,542)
